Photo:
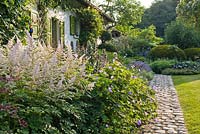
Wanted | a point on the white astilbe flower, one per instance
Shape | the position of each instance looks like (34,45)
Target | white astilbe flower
(10,42)
(60,83)
(54,60)
(45,69)
(72,80)
(36,71)
(41,65)
(69,51)
(1,55)
(59,48)
(29,39)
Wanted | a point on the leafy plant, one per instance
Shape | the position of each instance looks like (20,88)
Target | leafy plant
(106,36)
(91,24)
(166,52)
(122,100)
(159,65)
(192,53)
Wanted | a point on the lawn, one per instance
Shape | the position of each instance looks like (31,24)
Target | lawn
(188,88)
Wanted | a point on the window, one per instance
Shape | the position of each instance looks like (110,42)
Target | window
(72,45)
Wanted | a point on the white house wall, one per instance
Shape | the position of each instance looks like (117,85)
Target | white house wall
(65,17)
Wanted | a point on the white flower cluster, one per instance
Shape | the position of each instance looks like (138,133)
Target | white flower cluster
(40,65)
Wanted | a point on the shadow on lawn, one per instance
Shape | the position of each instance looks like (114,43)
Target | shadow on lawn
(181,79)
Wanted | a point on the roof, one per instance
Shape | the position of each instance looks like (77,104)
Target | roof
(89,4)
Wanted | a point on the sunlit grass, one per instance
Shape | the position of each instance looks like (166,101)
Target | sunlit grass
(188,88)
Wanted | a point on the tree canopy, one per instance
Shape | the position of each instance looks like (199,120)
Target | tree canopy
(189,12)
(124,12)
(159,14)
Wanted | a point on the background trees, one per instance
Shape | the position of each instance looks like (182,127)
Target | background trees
(159,14)
(189,12)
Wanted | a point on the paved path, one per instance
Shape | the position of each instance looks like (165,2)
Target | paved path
(170,117)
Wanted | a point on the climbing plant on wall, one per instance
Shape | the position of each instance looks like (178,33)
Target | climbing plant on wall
(91,24)
(13,19)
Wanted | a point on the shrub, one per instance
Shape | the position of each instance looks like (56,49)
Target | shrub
(186,67)
(108,46)
(159,65)
(166,51)
(106,36)
(124,101)
(182,35)
(141,47)
(192,53)
(172,71)
(40,90)
(141,66)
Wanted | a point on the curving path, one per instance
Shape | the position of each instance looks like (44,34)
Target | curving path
(170,117)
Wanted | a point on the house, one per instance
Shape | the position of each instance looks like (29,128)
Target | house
(62,26)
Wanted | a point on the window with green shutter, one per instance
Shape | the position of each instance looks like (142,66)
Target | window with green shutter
(62,30)
(72,25)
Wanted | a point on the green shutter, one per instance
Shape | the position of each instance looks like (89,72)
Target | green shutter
(34,18)
(62,29)
(72,25)
(49,31)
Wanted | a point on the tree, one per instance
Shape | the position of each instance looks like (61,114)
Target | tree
(124,12)
(159,14)
(189,12)
(182,35)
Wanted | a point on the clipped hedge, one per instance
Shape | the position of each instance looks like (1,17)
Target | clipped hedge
(183,68)
(192,53)
(172,71)
(160,65)
(166,51)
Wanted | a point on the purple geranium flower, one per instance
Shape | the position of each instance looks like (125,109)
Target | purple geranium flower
(110,89)
(154,87)
(130,93)
(139,123)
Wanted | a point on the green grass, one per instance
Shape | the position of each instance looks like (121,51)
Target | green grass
(188,88)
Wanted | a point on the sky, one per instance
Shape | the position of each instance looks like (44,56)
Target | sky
(146,3)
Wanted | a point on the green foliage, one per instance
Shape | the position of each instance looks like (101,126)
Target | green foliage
(159,14)
(125,12)
(48,91)
(105,36)
(192,53)
(91,24)
(122,100)
(109,47)
(189,11)
(182,68)
(166,51)
(149,34)
(159,65)
(172,71)
(13,19)
(181,35)
(39,111)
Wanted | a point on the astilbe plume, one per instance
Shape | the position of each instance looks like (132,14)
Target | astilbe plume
(40,65)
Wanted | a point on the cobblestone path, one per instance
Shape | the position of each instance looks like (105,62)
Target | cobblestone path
(170,117)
